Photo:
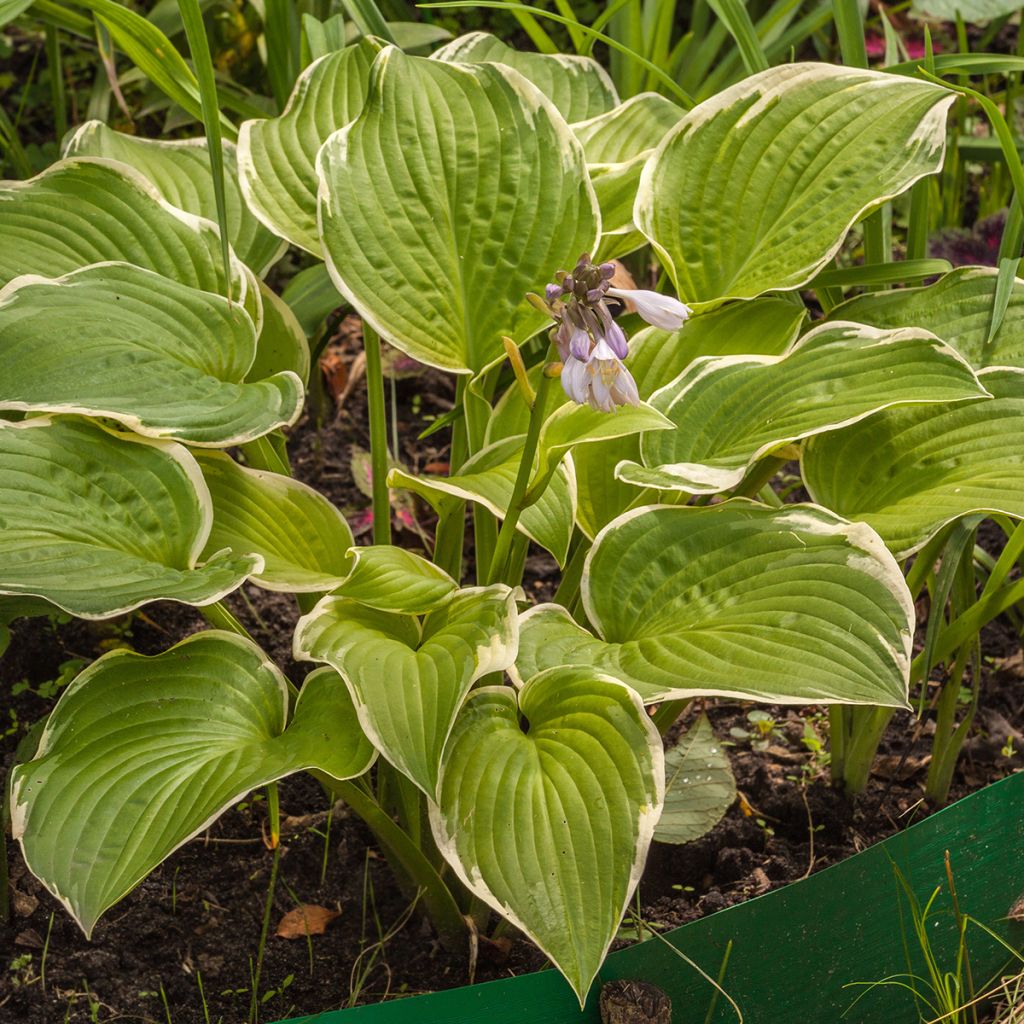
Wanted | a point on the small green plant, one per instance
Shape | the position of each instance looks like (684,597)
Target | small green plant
(764,730)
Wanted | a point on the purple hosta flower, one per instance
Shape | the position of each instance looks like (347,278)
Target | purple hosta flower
(658,310)
(589,341)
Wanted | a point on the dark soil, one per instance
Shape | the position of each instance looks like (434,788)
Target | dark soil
(192,930)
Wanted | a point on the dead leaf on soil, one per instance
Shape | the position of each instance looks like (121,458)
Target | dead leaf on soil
(309,919)
(899,769)
(30,939)
(24,904)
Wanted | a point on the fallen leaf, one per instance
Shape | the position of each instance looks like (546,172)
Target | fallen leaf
(24,904)
(441,468)
(309,919)
(335,371)
(30,939)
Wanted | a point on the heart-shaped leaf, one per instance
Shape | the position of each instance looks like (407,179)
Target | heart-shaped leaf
(179,169)
(553,816)
(488,478)
(277,156)
(731,411)
(300,536)
(699,785)
(408,679)
(756,187)
(728,600)
(100,523)
(578,86)
(163,358)
(107,211)
(458,189)
(392,579)
(957,308)
(143,753)
(908,472)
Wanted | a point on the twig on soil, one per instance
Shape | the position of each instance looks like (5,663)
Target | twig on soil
(810,835)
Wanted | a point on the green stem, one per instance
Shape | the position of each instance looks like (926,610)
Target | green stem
(378,436)
(262,454)
(838,727)
(949,736)
(869,725)
(516,502)
(572,574)
(451,522)
(437,897)
(221,618)
(760,474)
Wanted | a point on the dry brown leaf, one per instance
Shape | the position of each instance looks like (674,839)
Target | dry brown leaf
(309,919)
(24,904)
(335,371)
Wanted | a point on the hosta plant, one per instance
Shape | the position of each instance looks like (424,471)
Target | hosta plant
(468,206)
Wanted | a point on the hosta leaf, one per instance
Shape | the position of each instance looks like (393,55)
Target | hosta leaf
(956,308)
(699,785)
(549,820)
(578,86)
(458,189)
(488,478)
(392,579)
(277,156)
(143,753)
(179,169)
(99,523)
(756,187)
(973,11)
(617,144)
(409,678)
(300,536)
(282,342)
(731,411)
(83,211)
(908,472)
(791,605)
(162,358)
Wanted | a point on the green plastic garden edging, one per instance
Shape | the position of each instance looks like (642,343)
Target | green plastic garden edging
(793,949)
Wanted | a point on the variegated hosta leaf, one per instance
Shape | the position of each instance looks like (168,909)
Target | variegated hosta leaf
(408,677)
(300,536)
(617,144)
(143,753)
(179,169)
(974,12)
(488,478)
(165,359)
(908,472)
(282,343)
(956,308)
(549,820)
(699,785)
(791,605)
(756,187)
(731,411)
(100,523)
(578,86)
(458,189)
(277,156)
(83,211)
(392,579)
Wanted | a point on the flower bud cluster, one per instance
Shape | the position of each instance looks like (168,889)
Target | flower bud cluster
(592,346)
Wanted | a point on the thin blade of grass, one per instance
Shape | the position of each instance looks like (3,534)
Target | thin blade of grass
(736,18)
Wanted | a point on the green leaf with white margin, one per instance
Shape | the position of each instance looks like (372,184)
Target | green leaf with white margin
(908,472)
(83,211)
(301,537)
(699,785)
(282,343)
(578,86)
(179,169)
(617,145)
(392,579)
(791,606)
(141,754)
(549,822)
(100,523)
(972,11)
(160,357)
(277,156)
(457,190)
(956,308)
(408,678)
(756,188)
(731,411)
(488,478)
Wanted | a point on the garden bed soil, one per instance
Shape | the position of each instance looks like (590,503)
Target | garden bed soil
(190,933)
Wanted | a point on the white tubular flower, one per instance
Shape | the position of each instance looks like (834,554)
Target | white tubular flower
(658,310)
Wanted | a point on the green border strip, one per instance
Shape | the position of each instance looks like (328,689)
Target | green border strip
(794,948)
